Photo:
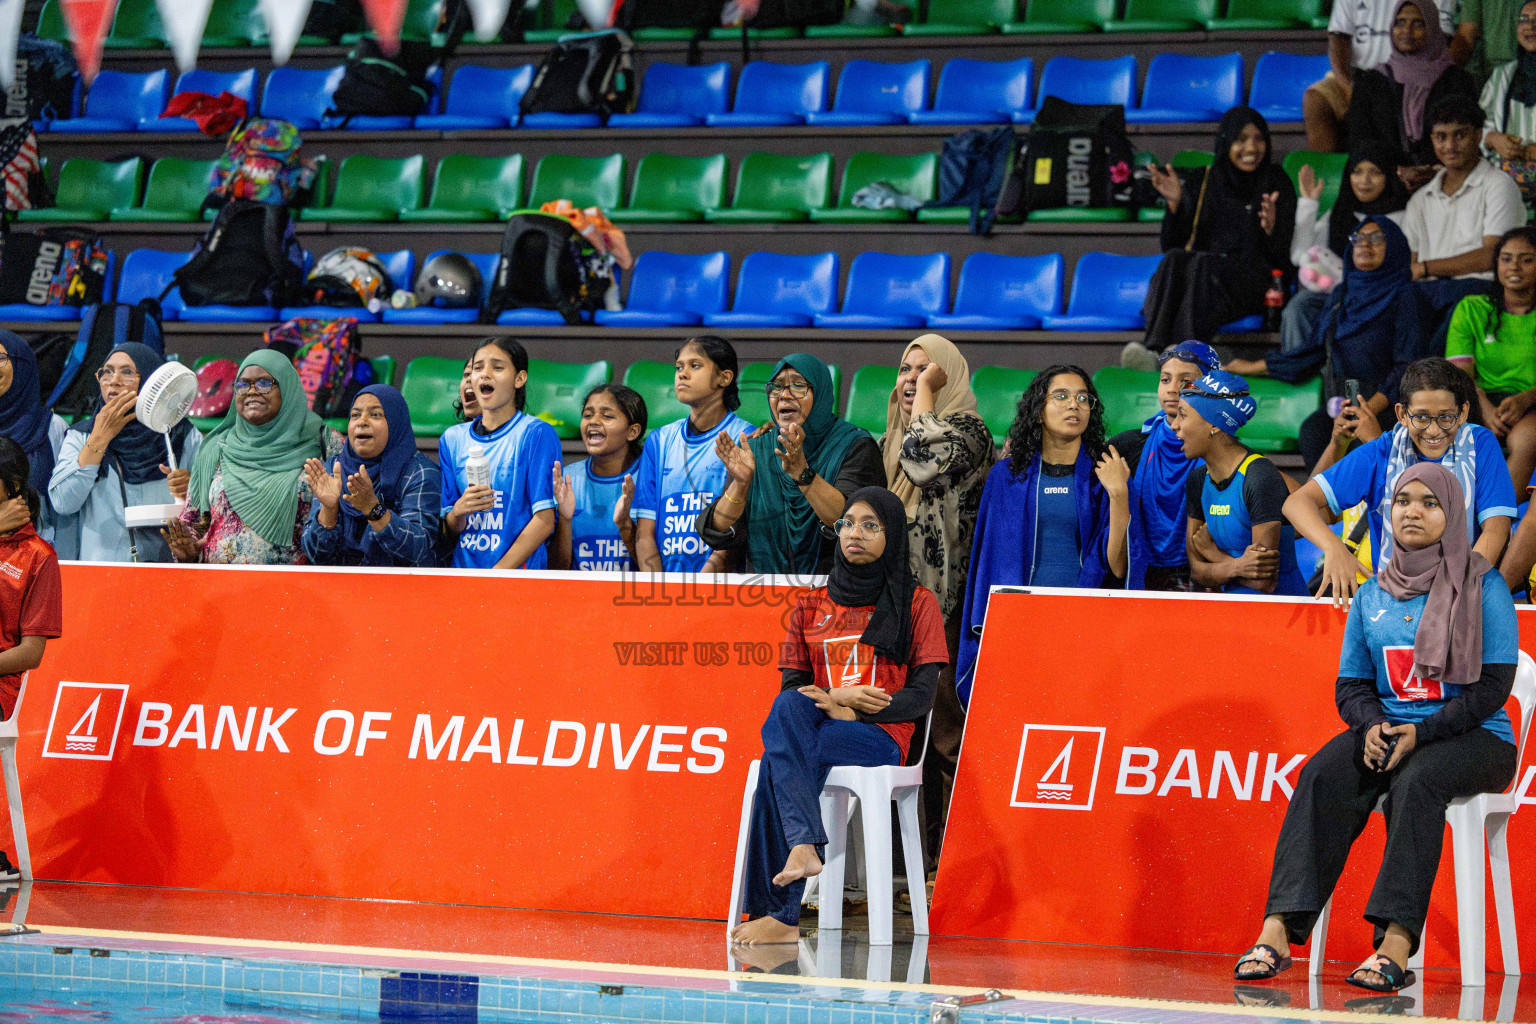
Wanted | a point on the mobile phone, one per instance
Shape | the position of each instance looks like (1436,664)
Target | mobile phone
(1351,392)
(1386,758)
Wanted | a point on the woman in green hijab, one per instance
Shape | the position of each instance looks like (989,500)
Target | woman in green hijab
(249,498)
(792,476)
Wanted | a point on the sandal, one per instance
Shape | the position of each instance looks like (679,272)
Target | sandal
(1256,995)
(1395,977)
(1273,960)
(1395,1006)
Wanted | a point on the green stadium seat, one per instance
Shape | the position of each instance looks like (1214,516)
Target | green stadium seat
(1061,17)
(91,190)
(174,192)
(1193,158)
(319,193)
(136,26)
(235,23)
(51,24)
(674,189)
(1265,15)
(915,175)
(755,34)
(754,400)
(1163,16)
(556,391)
(856,29)
(1080,215)
(584,180)
(964,18)
(1282,407)
(869,397)
(551,20)
(1328,166)
(997,391)
(1129,397)
(374,188)
(654,381)
(779,189)
(471,188)
(431,387)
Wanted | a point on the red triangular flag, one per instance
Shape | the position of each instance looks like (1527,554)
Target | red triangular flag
(385,18)
(88,22)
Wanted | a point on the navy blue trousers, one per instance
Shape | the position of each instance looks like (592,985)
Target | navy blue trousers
(1428,305)
(801,746)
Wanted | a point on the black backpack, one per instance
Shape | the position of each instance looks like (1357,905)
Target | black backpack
(798,13)
(103,327)
(669,14)
(546,263)
(1075,155)
(332,19)
(52,267)
(590,73)
(248,257)
(45,79)
(974,168)
(378,85)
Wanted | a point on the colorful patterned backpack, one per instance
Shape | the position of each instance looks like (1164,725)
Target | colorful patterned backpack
(326,353)
(261,163)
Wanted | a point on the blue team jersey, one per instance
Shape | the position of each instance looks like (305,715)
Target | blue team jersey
(595,543)
(522,456)
(1229,521)
(1378,644)
(1058,548)
(677,477)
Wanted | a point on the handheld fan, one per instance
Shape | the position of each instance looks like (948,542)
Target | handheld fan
(163,402)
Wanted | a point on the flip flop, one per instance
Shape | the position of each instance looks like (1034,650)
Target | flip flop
(1391,1005)
(1256,995)
(1273,960)
(1396,977)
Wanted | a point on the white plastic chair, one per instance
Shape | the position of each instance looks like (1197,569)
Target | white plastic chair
(1470,818)
(9,734)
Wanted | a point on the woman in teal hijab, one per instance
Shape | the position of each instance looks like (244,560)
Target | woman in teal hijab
(792,476)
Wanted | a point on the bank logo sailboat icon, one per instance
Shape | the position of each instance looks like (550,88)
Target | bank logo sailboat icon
(85,720)
(81,736)
(1058,767)
(1053,785)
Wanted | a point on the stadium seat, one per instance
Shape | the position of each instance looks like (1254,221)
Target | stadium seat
(678,96)
(118,101)
(299,95)
(774,188)
(431,387)
(556,391)
(671,289)
(401,267)
(674,189)
(1004,293)
(91,189)
(1244,325)
(1163,16)
(770,95)
(885,290)
(235,23)
(1282,407)
(1279,79)
(485,262)
(776,290)
(373,188)
(998,390)
(136,26)
(480,97)
(51,24)
(964,18)
(55,314)
(1061,17)
(869,397)
(1129,397)
(1328,166)
(1180,88)
(655,383)
(470,188)
(755,34)
(1264,15)
(145,274)
(584,180)
(174,192)
(915,175)
(237,83)
(980,92)
(754,396)
(871,92)
(1077,80)
(550,22)
(1107,293)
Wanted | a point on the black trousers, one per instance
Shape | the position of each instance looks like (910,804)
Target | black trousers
(1192,294)
(1332,804)
(943,755)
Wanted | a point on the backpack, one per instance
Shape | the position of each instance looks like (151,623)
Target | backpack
(261,162)
(44,88)
(248,257)
(326,353)
(633,14)
(347,278)
(52,267)
(546,263)
(20,168)
(379,85)
(590,73)
(798,13)
(973,170)
(1075,155)
(103,327)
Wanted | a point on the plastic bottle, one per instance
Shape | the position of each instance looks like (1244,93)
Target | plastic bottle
(1274,300)
(477,468)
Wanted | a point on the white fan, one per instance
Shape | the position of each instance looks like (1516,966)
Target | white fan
(163,402)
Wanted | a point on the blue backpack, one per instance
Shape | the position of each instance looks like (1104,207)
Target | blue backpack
(972,171)
(103,327)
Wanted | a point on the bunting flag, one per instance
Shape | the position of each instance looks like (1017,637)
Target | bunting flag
(10,30)
(597,12)
(184,21)
(285,23)
(489,16)
(88,22)
(385,18)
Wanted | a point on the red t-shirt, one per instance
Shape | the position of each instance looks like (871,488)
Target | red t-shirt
(823,639)
(31,599)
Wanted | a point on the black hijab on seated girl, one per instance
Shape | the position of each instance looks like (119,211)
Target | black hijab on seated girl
(887,582)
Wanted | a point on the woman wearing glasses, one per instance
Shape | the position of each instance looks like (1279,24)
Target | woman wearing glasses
(111,461)
(248,498)
(1055,514)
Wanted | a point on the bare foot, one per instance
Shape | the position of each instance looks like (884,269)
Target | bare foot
(802,863)
(762,931)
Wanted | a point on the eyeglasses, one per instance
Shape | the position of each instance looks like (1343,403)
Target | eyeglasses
(1526,19)
(868,528)
(1372,241)
(1064,398)
(798,388)
(107,373)
(264,386)
(1445,421)
(1190,389)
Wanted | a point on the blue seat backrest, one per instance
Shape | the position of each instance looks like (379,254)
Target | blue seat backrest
(1107,284)
(296,93)
(1078,80)
(995,285)
(1194,83)
(772,282)
(880,282)
(967,84)
(676,281)
(476,89)
(237,83)
(766,87)
(872,86)
(680,89)
(128,95)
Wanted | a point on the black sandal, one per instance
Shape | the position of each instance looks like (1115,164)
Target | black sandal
(1273,960)
(1257,995)
(1396,977)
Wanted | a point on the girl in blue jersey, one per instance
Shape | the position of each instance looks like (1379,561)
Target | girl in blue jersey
(594,531)
(680,473)
(1236,538)
(1429,657)
(505,525)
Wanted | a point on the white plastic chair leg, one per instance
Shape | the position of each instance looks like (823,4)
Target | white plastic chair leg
(1319,940)
(1469,860)
(18,816)
(879,967)
(739,876)
(1503,894)
(1471,1007)
(877,871)
(912,851)
(834,820)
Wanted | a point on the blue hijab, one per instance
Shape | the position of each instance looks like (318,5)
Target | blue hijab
(389,468)
(23,417)
(1365,297)
(137,451)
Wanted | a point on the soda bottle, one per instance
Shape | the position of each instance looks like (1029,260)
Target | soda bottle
(1274,301)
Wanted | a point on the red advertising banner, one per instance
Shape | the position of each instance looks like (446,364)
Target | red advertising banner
(1128,761)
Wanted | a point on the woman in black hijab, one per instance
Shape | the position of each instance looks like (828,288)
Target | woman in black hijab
(859,667)
(1228,228)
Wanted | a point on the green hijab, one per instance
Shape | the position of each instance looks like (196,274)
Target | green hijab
(785,534)
(262,464)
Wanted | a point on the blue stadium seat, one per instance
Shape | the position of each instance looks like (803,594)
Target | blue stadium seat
(118,101)
(401,266)
(673,290)
(1247,325)
(485,262)
(391,122)
(237,83)
(145,274)
(980,92)
(480,97)
(1004,293)
(1279,79)
(775,290)
(1077,80)
(875,92)
(769,95)
(1107,293)
(58,314)
(892,291)
(1180,88)
(300,95)
(678,96)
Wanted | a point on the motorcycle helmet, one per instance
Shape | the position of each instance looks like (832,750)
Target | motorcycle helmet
(449,280)
(215,388)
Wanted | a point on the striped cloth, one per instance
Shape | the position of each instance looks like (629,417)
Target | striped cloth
(1522,119)
(18,161)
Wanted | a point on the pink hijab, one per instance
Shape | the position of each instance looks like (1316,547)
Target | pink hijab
(1418,72)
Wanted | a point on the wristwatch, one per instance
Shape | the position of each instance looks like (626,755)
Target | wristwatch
(377,512)
(804,479)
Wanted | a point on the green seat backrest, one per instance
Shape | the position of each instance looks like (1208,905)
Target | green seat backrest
(100,184)
(381,182)
(1282,407)
(553,13)
(557,390)
(653,380)
(431,387)
(384,369)
(584,180)
(236,19)
(320,188)
(50,22)
(768,181)
(177,185)
(914,175)
(998,389)
(666,182)
(204,360)
(1328,166)
(1097,11)
(421,17)
(137,19)
(869,397)
(466,182)
(1164,10)
(971,12)
(754,400)
(1129,397)
(1301,10)
(1193,158)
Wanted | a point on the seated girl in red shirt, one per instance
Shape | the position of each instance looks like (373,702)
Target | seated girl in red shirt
(31,599)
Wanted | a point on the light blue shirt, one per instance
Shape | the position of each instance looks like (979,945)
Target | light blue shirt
(88,511)
(522,454)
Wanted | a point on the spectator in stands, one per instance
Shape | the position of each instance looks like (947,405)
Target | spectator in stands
(1421,744)
(1238,540)
(505,525)
(110,461)
(248,499)
(31,598)
(1389,101)
(593,530)
(25,420)
(791,477)
(1494,24)
(888,630)
(680,472)
(1432,426)
(378,502)
(1509,104)
(1159,470)
(1222,237)
(468,403)
(1056,512)
(1454,222)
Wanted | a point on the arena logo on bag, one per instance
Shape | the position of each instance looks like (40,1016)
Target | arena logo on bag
(85,721)
(1060,768)
(849,663)
(1404,678)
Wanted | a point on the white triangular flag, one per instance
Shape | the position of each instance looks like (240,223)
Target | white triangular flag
(184,21)
(10,30)
(285,23)
(596,12)
(489,16)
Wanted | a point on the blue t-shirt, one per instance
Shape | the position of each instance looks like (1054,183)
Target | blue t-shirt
(1362,476)
(522,455)
(1058,554)
(678,475)
(595,543)
(1378,644)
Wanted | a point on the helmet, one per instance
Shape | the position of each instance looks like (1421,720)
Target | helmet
(449,280)
(348,277)
(215,388)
